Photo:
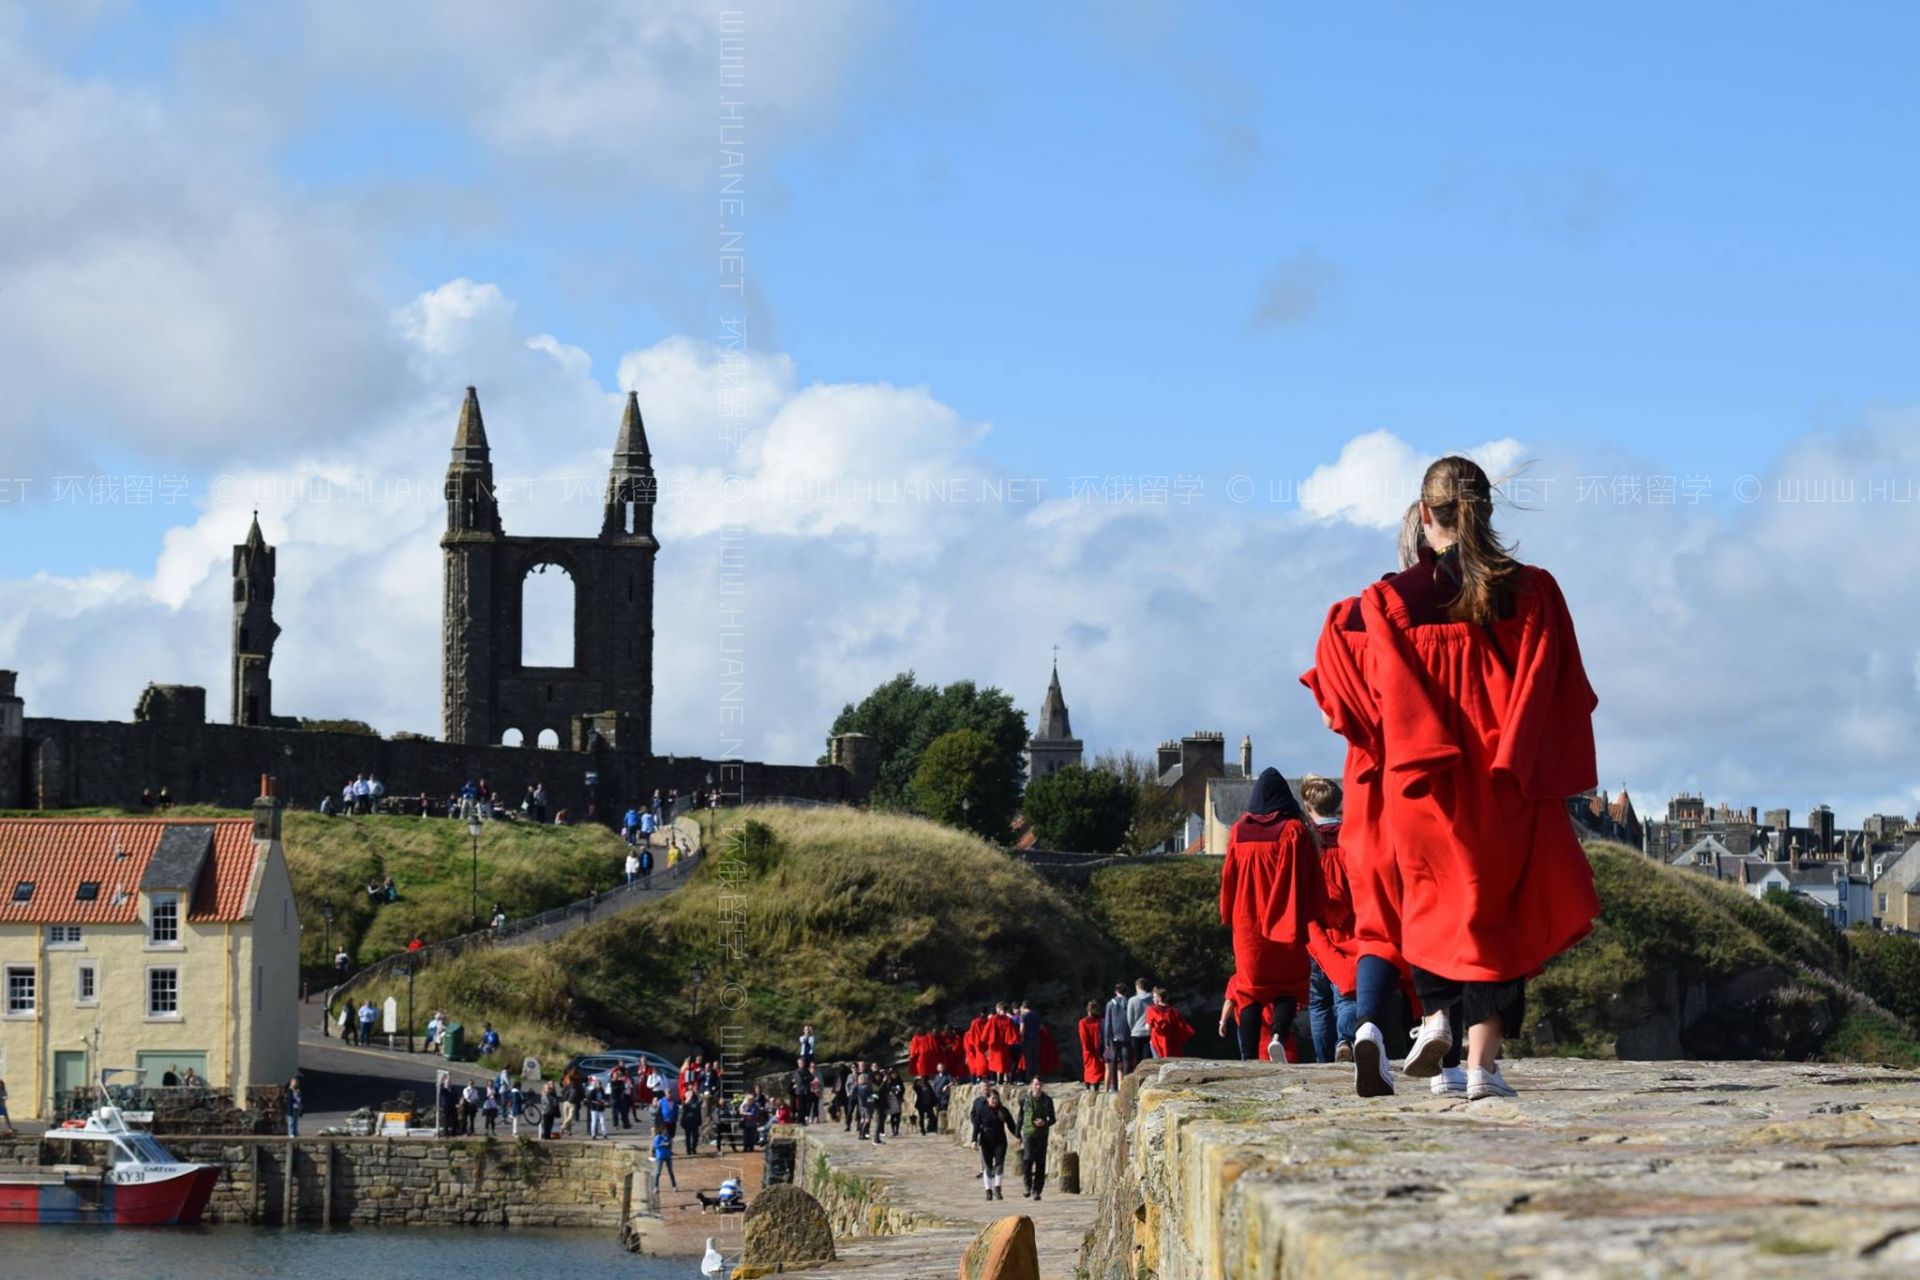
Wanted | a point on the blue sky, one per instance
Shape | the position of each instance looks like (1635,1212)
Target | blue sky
(1137,238)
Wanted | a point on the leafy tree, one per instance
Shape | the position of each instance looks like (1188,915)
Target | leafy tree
(964,782)
(903,718)
(1156,812)
(1085,810)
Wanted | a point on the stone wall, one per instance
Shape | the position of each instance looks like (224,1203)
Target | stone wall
(85,763)
(389,1182)
(1242,1171)
(855,1205)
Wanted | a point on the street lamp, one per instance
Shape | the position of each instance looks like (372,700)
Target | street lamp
(695,976)
(410,1009)
(473,898)
(326,913)
(966,812)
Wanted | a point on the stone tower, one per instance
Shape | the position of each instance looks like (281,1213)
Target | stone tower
(254,629)
(1052,746)
(488,693)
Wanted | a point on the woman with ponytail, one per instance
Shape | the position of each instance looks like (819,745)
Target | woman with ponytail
(1339,683)
(1483,720)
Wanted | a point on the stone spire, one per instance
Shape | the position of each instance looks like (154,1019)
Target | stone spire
(472,506)
(631,487)
(254,629)
(1053,746)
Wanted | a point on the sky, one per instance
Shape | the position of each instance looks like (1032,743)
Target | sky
(969,331)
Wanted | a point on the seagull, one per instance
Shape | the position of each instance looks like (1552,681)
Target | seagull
(711,1264)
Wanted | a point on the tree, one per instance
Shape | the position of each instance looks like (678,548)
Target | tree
(963,781)
(1085,810)
(1156,811)
(903,718)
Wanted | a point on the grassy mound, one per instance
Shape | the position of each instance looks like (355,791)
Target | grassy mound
(864,924)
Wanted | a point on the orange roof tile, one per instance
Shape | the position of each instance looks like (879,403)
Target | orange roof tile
(58,855)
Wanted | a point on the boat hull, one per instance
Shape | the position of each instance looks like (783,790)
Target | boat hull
(176,1199)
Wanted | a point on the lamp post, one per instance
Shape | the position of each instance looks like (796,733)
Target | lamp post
(966,812)
(410,1009)
(695,976)
(326,913)
(473,898)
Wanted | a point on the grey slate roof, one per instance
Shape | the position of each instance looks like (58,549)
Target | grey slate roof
(177,863)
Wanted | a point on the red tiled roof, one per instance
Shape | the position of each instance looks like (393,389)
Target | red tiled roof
(60,854)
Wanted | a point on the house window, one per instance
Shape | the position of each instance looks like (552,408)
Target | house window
(163,993)
(63,935)
(23,891)
(1883,904)
(86,984)
(22,991)
(164,926)
(89,891)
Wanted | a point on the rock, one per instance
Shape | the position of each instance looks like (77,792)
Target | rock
(1070,1173)
(785,1225)
(1004,1251)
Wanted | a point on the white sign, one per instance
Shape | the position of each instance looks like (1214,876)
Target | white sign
(530,1069)
(390,1021)
(137,1117)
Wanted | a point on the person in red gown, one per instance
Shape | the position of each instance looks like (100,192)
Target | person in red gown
(1330,935)
(1262,902)
(1167,1029)
(1340,684)
(1093,1062)
(975,1046)
(1002,1043)
(1486,727)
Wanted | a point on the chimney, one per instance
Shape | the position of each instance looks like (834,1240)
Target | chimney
(1246,755)
(1167,756)
(266,813)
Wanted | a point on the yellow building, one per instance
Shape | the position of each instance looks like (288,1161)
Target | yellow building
(165,943)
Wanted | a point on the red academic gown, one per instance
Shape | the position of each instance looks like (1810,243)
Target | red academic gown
(1002,1043)
(1261,901)
(1339,683)
(952,1052)
(1330,936)
(1093,1065)
(975,1047)
(1486,730)
(1167,1031)
(1049,1052)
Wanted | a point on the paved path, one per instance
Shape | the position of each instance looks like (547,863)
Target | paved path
(938,1176)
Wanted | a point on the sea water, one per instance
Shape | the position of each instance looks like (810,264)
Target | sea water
(391,1253)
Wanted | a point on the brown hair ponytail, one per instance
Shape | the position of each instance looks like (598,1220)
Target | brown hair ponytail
(1460,496)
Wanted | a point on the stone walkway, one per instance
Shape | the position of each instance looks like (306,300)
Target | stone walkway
(937,1177)
(1629,1169)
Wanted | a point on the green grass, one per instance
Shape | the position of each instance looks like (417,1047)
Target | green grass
(866,925)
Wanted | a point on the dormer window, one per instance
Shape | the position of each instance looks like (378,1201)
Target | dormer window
(88,891)
(23,891)
(163,923)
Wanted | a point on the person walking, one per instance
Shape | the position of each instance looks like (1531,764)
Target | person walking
(1035,1124)
(490,1109)
(1137,1005)
(1031,1025)
(690,1117)
(1477,671)
(1167,1026)
(516,1106)
(368,1016)
(296,1105)
(341,962)
(549,1109)
(923,1106)
(596,1108)
(896,1101)
(1116,1035)
(991,1126)
(470,1099)
(1266,903)
(632,864)
(1093,1063)
(1331,969)
(663,1161)
(809,1046)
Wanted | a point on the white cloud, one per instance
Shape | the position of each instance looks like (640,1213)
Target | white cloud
(1377,476)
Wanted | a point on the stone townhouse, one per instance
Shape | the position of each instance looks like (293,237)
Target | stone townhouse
(170,944)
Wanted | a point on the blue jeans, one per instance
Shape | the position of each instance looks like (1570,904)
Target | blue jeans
(1331,1013)
(1376,992)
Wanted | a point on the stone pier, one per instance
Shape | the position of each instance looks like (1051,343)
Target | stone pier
(1231,1171)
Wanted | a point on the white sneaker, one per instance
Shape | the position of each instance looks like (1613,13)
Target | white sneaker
(1277,1051)
(1372,1070)
(1451,1082)
(1488,1084)
(1433,1042)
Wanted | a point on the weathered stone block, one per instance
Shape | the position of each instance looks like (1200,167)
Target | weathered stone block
(785,1225)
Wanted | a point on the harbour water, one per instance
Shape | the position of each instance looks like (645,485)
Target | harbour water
(256,1253)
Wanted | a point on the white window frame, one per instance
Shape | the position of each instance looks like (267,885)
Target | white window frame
(154,902)
(92,970)
(33,975)
(146,994)
(66,937)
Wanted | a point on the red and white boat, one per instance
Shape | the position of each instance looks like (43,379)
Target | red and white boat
(120,1176)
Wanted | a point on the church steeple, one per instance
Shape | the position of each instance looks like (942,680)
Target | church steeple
(1053,746)
(471,503)
(631,487)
